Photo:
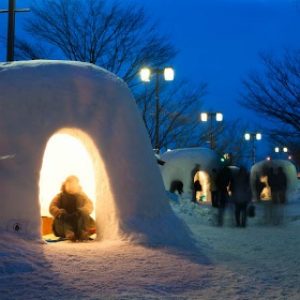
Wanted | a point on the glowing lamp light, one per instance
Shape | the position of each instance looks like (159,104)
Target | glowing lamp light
(219,117)
(285,149)
(145,74)
(268,158)
(276,149)
(204,117)
(290,157)
(169,74)
(258,136)
(60,161)
(247,136)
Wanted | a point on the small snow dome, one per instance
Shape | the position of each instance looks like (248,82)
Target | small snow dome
(260,181)
(61,118)
(179,166)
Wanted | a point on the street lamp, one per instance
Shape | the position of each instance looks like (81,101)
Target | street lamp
(204,117)
(283,149)
(253,136)
(168,75)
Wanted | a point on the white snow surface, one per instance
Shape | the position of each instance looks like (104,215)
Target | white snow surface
(256,262)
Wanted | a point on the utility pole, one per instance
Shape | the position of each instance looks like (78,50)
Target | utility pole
(11,27)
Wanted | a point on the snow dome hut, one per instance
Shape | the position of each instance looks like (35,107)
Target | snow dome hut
(179,167)
(259,177)
(63,118)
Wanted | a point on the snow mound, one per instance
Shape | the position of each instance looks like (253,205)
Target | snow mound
(42,98)
(180,163)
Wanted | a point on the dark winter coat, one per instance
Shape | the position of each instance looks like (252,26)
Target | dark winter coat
(70,203)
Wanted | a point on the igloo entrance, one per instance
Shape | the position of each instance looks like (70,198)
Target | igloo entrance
(68,152)
(204,195)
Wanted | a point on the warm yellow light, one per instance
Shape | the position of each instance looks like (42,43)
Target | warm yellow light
(205,184)
(258,136)
(276,149)
(169,74)
(65,155)
(145,74)
(219,117)
(204,117)
(247,136)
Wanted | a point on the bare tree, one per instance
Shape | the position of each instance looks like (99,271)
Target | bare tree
(122,40)
(178,113)
(118,38)
(275,95)
(234,144)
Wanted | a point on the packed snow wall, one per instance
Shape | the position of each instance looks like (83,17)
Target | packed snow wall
(180,163)
(41,98)
(260,170)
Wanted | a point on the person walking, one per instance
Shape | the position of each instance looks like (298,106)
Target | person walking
(213,188)
(223,183)
(241,195)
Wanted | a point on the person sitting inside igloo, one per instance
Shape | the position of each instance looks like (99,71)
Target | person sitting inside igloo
(71,209)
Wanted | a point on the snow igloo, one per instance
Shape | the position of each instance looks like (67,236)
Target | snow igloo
(62,118)
(180,164)
(259,174)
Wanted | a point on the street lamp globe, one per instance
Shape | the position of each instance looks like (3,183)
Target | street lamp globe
(169,74)
(285,149)
(219,117)
(276,149)
(258,136)
(145,74)
(247,136)
(204,117)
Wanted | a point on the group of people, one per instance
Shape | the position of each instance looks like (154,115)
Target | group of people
(271,187)
(233,186)
(225,187)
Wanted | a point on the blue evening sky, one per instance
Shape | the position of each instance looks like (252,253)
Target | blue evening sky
(219,41)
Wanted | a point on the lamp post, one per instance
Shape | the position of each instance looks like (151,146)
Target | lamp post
(204,117)
(168,75)
(12,10)
(253,137)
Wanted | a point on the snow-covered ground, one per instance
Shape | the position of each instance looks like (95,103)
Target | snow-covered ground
(257,262)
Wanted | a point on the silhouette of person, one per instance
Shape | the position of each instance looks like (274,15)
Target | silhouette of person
(71,209)
(196,185)
(282,185)
(241,195)
(213,188)
(223,182)
(276,209)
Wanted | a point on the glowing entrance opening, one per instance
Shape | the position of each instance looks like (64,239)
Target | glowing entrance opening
(65,155)
(204,195)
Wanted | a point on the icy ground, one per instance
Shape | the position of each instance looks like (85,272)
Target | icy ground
(259,262)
